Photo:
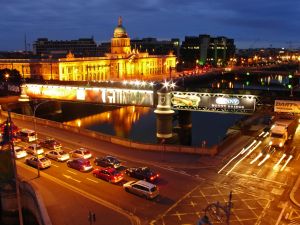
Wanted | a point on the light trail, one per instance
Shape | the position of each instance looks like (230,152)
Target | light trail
(266,134)
(246,149)
(249,152)
(240,153)
(279,161)
(261,134)
(256,158)
(287,161)
(262,161)
(230,161)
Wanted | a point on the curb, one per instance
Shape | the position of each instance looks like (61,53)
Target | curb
(292,193)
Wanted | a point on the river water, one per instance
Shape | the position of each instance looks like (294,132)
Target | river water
(139,124)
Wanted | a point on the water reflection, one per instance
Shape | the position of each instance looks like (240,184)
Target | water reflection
(121,119)
(252,81)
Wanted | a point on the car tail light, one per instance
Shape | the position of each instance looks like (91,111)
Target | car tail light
(152,178)
(157,175)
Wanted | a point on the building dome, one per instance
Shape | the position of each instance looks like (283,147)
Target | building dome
(120,31)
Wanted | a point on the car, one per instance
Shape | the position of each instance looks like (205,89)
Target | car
(107,161)
(80,164)
(41,162)
(19,152)
(27,135)
(109,174)
(80,153)
(35,149)
(142,173)
(58,155)
(51,144)
(142,188)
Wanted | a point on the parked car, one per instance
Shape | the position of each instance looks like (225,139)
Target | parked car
(58,155)
(107,161)
(80,164)
(19,152)
(51,144)
(80,153)
(109,174)
(41,162)
(142,173)
(35,149)
(142,188)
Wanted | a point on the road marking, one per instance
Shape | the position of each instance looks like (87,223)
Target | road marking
(54,165)
(72,172)
(71,178)
(259,178)
(173,170)
(92,180)
(173,206)
(281,213)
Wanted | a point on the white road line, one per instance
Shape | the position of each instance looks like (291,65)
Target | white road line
(54,165)
(259,178)
(72,172)
(92,180)
(71,178)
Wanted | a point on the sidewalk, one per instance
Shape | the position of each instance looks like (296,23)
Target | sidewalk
(295,193)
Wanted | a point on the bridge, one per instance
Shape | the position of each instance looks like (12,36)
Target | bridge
(142,94)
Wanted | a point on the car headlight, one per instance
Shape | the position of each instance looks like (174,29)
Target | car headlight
(281,144)
(270,143)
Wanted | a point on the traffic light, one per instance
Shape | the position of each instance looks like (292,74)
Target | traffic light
(294,81)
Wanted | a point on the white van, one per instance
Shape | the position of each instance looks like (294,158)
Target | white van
(27,135)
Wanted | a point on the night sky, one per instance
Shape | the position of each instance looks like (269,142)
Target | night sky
(253,24)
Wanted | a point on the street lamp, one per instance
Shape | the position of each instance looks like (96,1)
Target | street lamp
(35,132)
(6,76)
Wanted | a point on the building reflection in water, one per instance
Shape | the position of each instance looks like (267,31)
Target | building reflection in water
(122,119)
(248,81)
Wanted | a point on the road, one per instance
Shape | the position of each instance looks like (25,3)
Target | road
(172,184)
(188,183)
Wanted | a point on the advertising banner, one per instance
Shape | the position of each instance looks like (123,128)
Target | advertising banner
(213,102)
(115,96)
(287,106)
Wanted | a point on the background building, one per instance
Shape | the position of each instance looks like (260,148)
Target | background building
(55,49)
(157,47)
(204,49)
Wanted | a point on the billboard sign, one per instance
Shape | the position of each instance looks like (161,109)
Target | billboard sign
(287,106)
(213,102)
(115,96)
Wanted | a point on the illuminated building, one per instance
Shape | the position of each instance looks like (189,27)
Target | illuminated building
(122,62)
